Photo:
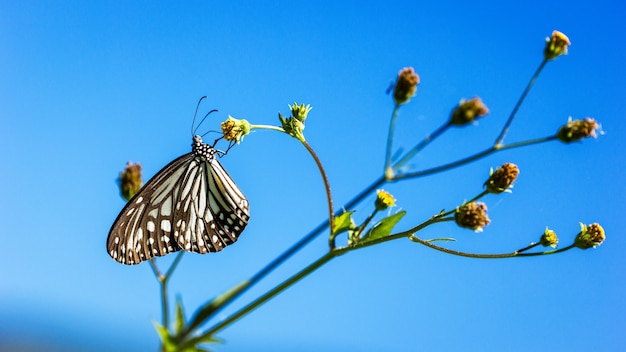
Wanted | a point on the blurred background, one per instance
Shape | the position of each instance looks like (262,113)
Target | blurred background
(87,86)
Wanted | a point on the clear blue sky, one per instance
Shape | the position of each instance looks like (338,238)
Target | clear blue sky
(87,86)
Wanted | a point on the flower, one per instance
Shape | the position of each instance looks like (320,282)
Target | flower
(234,129)
(130,180)
(467,111)
(589,236)
(472,216)
(575,130)
(406,85)
(384,200)
(502,179)
(556,46)
(549,238)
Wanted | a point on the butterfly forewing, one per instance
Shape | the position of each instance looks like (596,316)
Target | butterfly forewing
(192,204)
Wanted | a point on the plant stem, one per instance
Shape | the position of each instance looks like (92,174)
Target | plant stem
(329,196)
(486,256)
(507,125)
(392,127)
(471,158)
(287,253)
(162,279)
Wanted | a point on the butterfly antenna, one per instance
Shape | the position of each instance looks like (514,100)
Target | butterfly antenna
(204,118)
(193,130)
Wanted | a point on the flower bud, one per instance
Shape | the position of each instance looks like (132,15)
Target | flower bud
(502,179)
(406,85)
(130,180)
(300,112)
(549,238)
(472,216)
(576,130)
(234,129)
(384,200)
(589,236)
(556,46)
(467,111)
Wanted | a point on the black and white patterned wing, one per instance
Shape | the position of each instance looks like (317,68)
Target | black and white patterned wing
(212,211)
(143,228)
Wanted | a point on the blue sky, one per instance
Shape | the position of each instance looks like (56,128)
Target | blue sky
(88,86)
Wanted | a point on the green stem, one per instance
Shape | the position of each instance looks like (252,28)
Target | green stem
(471,158)
(392,127)
(163,288)
(162,279)
(267,127)
(329,196)
(507,125)
(531,246)
(365,223)
(271,293)
(169,272)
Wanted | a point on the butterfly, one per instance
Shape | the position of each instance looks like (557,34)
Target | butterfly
(191,204)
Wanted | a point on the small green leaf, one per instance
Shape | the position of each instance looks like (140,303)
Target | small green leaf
(445,239)
(167,340)
(179,323)
(383,227)
(344,222)
(198,340)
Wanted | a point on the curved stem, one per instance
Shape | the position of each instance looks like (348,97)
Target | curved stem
(486,256)
(507,125)
(329,196)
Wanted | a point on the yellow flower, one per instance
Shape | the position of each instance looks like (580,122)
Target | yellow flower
(549,238)
(556,46)
(234,129)
(384,200)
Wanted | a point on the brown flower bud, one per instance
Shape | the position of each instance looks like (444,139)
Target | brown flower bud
(406,85)
(467,111)
(576,130)
(589,236)
(130,180)
(502,179)
(472,216)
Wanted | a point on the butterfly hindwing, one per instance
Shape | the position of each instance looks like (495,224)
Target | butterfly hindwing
(206,215)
